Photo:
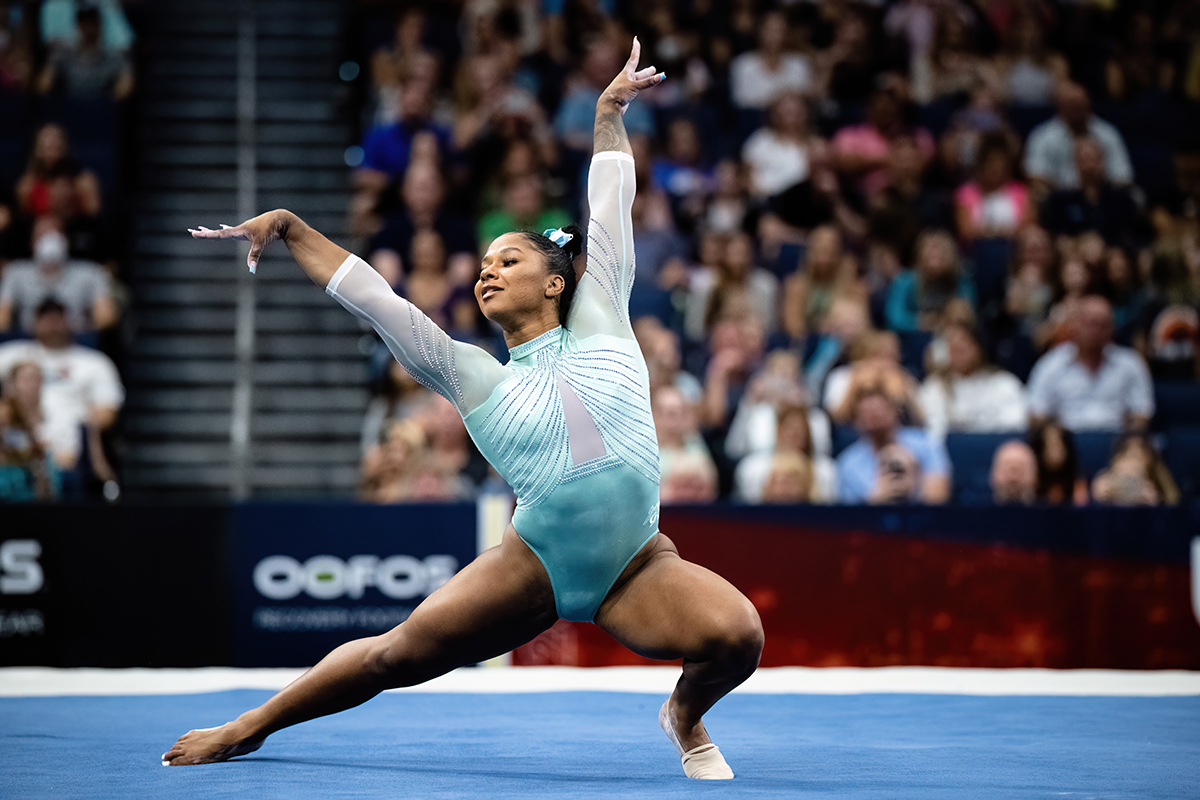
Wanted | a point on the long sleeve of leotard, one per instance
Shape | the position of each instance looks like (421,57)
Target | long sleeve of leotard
(601,303)
(462,373)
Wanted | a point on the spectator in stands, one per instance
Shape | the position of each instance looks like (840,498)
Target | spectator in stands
(660,348)
(908,204)
(576,114)
(950,66)
(424,192)
(1027,71)
(862,152)
(890,463)
(1014,476)
(793,436)
(677,427)
(1050,149)
(1059,480)
(1089,383)
(737,289)
(777,153)
(789,479)
(387,149)
(822,198)
(405,57)
(82,388)
(523,208)
(451,456)
(88,68)
(55,184)
(758,77)
(1030,288)
(917,298)
(691,479)
(16,58)
(1169,329)
(492,110)
(982,117)
(874,358)
(390,469)
(833,342)
(1096,205)
(427,286)
(994,204)
(1140,66)
(735,350)
(400,397)
(26,473)
(1136,476)
(683,174)
(828,273)
(1125,292)
(81,287)
(730,206)
(964,393)
(59,23)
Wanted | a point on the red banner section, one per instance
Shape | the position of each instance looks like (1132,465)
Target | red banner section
(831,597)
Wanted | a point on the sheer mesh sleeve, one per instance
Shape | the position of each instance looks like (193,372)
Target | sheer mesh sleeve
(462,373)
(601,302)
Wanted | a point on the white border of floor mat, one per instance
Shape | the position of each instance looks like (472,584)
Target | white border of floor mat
(45,681)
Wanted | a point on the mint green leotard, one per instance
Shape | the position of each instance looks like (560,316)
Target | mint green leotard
(567,420)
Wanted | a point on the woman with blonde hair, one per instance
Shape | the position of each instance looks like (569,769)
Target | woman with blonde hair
(1136,476)
(828,273)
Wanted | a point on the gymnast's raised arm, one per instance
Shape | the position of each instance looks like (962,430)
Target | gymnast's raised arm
(462,373)
(611,187)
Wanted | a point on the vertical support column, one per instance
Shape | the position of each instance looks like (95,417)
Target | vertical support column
(247,203)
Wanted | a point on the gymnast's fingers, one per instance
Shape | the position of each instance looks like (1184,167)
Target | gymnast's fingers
(634,54)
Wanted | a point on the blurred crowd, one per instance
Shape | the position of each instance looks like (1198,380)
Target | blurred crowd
(883,249)
(64,71)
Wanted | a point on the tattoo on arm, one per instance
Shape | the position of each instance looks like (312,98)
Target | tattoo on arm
(610,132)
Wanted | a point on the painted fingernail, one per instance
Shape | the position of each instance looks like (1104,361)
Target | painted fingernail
(662,76)
(166,763)
(253,266)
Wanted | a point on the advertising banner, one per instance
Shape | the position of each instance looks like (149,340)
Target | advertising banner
(308,578)
(1072,588)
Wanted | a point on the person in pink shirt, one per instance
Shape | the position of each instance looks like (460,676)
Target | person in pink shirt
(994,204)
(862,151)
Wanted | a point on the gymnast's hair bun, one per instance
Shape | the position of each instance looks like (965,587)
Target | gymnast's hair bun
(569,238)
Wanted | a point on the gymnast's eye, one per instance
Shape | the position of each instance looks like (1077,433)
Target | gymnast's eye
(508,262)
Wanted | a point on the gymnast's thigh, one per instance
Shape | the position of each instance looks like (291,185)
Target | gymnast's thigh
(498,602)
(668,608)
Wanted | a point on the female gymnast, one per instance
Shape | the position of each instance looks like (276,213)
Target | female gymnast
(567,423)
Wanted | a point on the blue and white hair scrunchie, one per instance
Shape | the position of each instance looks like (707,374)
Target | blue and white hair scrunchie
(558,236)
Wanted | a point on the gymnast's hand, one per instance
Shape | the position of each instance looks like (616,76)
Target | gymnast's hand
(631,80)
(259,232)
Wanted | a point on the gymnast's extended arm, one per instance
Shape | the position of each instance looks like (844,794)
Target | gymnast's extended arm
(462,373)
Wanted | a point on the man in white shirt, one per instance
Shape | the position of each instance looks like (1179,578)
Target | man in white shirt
(1089,383)
(1050,149)
(81,386)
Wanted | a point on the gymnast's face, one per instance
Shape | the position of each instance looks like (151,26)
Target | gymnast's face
(514,283)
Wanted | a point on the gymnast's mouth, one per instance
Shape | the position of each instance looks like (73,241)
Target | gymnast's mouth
(489,291)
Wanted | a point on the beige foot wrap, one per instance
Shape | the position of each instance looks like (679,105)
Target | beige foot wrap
(704,762)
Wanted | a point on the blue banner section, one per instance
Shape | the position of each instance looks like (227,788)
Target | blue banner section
(307,578)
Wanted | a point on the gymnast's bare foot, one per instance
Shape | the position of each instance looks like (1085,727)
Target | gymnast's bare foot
(209,745)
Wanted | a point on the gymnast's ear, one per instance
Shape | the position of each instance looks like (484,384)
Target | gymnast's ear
(555,284)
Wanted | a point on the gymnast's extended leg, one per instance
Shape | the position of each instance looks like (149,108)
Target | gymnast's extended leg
(669,608)
(496,603)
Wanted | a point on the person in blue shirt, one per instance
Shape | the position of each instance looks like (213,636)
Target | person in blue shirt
(567,423)
(890,463)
